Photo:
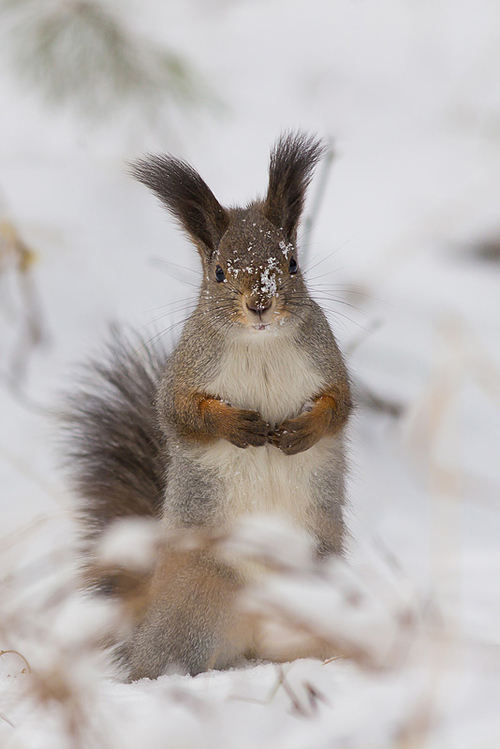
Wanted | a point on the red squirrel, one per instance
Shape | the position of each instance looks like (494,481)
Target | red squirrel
(246,415)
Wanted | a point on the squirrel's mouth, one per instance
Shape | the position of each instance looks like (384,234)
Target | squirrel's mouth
(271,326)
(261,315)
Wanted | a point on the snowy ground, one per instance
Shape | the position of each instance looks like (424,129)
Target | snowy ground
(410,93)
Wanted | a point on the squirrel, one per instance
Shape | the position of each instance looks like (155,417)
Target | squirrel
(246,415)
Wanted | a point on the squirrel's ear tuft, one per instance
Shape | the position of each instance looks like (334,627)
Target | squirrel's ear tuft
(291,168)
(187,197)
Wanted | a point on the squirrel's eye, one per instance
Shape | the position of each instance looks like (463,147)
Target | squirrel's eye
(219,274)
(293,265)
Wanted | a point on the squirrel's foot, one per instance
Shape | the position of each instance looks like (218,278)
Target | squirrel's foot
(296,435)
(325,415)
(247,428)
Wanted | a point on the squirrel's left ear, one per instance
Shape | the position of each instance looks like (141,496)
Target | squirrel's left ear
(291,168)
(187,197)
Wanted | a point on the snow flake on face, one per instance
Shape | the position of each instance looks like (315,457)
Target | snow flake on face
(267,283)
(265,272)
(286,248)
(231,267)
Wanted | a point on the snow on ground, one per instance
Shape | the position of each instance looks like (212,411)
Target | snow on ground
(410,94)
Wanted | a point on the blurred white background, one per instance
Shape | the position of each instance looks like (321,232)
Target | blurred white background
(404,254)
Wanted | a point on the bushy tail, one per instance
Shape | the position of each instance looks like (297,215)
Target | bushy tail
(116,454)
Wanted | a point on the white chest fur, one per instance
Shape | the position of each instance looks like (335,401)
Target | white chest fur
(268,373)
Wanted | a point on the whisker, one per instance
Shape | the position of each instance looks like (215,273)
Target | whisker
(178,278)
(170,304)
(308,268)
(176,265)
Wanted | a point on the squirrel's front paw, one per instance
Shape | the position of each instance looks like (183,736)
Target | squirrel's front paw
(296,435)
(247,428)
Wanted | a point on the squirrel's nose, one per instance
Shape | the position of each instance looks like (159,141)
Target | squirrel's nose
(259,307)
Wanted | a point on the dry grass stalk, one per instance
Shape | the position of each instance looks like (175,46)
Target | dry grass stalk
(17,257)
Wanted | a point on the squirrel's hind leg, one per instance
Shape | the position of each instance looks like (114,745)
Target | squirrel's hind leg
(190,623)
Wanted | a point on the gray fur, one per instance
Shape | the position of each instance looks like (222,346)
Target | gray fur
(115,451)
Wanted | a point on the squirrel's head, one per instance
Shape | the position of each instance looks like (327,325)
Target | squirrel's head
(251,269)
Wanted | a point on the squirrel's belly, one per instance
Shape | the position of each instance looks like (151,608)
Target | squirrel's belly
(263,480)
(274,377)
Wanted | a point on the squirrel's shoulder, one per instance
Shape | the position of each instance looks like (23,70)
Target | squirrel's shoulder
(317,340)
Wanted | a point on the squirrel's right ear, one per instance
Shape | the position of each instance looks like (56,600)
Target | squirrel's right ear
(187,197)
(291,167)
